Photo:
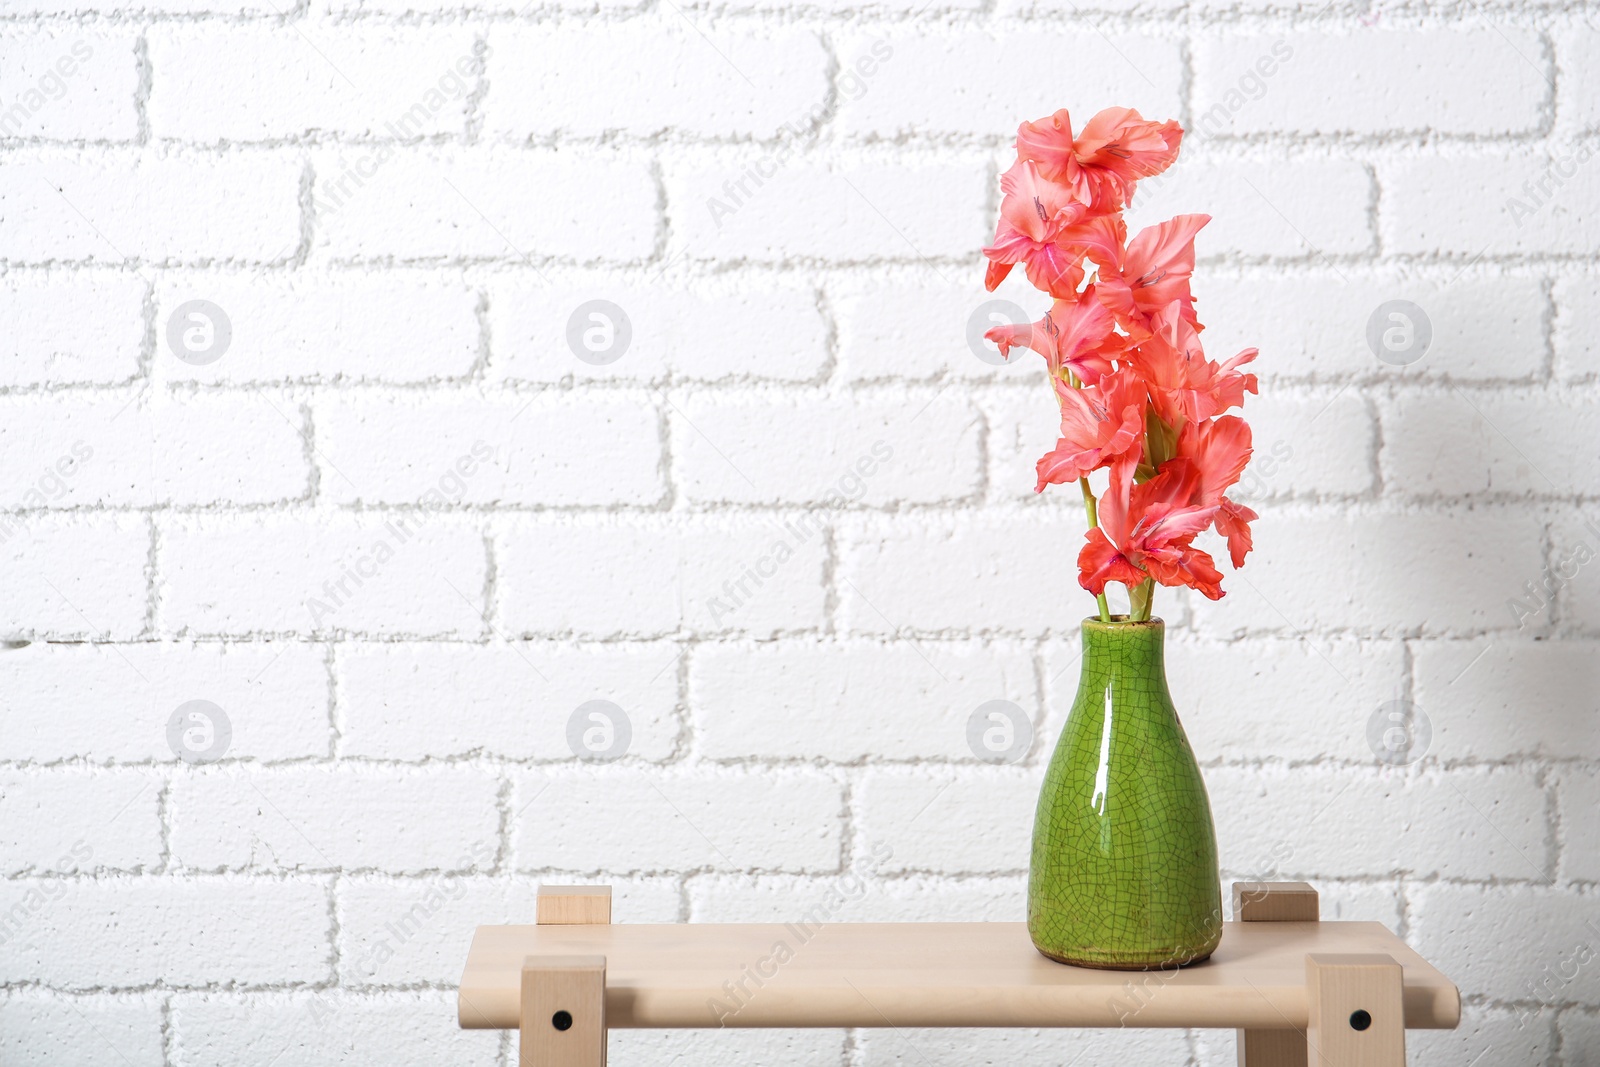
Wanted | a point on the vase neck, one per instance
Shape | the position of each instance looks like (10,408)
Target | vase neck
(1124,659)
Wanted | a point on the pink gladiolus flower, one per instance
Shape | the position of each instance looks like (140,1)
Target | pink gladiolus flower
(1115,149)
(1219,451)
(1098,424)
(1134,388)
(1146,532)
(1155,274)
(1078,335)
(1050,233)
(1185,386)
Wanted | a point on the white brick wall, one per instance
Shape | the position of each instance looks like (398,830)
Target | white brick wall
(398,532)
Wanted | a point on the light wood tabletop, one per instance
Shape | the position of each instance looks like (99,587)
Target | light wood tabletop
(1299,992)
(929,974)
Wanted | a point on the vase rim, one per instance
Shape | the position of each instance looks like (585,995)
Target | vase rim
(1120,622)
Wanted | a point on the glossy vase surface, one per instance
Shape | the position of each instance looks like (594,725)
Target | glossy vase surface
(1124,867)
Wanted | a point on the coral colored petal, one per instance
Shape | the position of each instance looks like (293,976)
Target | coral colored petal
(1233,522)
(1099,562)
(1065,463)
(1027,335)
(1159,264)
(1055,270)
(1048,143)
(1219,451)
(1202,574)
(996,273)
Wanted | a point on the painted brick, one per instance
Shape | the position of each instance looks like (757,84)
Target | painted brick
(921,327)
(884,702)
(409,931)
(1577,326)
(1315,327)
(856,897)
(1544,201)
(1486,1035)
(1301,209)
(1467,82)
(1575,545)
(69,331)
(178,7)
(65,451)
(68,85)
(1387,573)
(1367,902)
(1463,930)
(1491,699)
(886,91)
(917,449)
(1044,9)
(253,83)
(566,79)
(1580,1037)
(440,452)
(1271,698)
(73,577)
(1321,445)
(643,579)
(771,204)
(621,821)
(1013,575)
(945,1047)
(512,701)
(1377,821)
(410,573)
(1579,793)
(327,328)
(705,333)
(1024,424)
(79,934)
(275,697)
(42,1029)
(729,1047)
(75,823)
(378,201)
(126,204)
(407,1029)
(425,7)
(1462,443)
(327,819)
(950,823)
(1578,56)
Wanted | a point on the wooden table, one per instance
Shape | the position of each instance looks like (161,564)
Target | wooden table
(1299,991)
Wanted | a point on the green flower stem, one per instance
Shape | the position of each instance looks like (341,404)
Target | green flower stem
(1140,598)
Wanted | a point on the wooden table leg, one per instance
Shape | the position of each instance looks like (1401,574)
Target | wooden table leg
(563,1018)
(1357,1010)
(574,905)
(563,1012)
(1273,902)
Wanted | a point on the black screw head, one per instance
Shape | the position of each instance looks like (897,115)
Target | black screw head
(562,1020)
(1360,1019)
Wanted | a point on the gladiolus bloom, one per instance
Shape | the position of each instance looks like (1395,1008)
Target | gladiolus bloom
(1146,532)
(1134,388)
(1098,424)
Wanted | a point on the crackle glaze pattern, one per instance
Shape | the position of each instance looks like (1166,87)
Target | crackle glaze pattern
(1124,868)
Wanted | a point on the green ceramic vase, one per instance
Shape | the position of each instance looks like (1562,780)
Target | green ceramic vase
(1124,869)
